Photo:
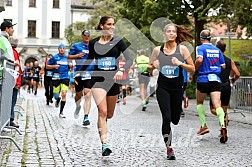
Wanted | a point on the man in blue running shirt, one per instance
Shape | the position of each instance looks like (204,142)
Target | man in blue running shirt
(60,78)
(79,52)
(209,61)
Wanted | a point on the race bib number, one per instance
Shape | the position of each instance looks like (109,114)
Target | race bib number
(35,76)
(213,77)
(85,75)
(106,63)
(55,76)
(170,71)
(49,73)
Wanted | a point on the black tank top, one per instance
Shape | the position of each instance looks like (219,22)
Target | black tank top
(224,75)
(170,76)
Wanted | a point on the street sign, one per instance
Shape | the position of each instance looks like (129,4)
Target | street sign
(231,34)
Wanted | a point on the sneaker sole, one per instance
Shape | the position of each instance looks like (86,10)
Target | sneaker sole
(85,123)
(223,138)
(203,132)
(106,152)
(171,158)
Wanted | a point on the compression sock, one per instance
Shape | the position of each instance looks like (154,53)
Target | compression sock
(62,105)
(201,112)
(220,114)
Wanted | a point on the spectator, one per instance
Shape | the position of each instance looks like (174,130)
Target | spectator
(14,43)
(6,31)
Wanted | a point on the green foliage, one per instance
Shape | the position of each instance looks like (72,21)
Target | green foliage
(238,48)
(245,68)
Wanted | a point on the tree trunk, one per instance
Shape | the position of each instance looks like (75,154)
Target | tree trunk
(199,26)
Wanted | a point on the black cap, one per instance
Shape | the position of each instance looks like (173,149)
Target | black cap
(85,32)
(6,24)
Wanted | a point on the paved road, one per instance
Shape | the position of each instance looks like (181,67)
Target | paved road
(134,136)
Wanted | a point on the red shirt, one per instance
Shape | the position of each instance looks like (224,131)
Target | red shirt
(17,68)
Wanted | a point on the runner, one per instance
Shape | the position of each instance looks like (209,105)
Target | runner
(47,80)
(106,49)
(169,58)
(143,76)
(79,51)
(209,61)
(60,77)
(225,79)
(36,76)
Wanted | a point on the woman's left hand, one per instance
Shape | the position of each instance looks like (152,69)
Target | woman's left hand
(176,61)
(118,75)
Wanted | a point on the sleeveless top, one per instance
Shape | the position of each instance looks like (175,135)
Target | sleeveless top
(170,75)
(48,72)
(224,75)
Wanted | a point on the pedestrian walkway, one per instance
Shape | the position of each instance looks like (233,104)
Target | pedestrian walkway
(134,137)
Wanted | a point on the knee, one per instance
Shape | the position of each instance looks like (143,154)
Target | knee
(102,113)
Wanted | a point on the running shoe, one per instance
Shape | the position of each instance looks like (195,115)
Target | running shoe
(57,102)
(144,107)
(170,154)
(77,112)
(86,121)
(124,101)
(51,101)
(62,115)
(223,136)
(203,130)
(106,150)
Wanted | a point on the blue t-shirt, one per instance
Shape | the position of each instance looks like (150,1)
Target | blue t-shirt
(63,69)
(78,48)
(213,59)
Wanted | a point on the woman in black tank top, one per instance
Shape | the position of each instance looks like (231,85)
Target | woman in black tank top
(169,59)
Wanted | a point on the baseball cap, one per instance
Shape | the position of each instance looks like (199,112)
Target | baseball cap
(6,24)
(62,45)
(85,32)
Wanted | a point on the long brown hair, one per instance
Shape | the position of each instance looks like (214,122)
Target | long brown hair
(182,33)
(102,22)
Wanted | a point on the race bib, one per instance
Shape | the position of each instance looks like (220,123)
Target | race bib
(49,73)
(170,71)
(55,76)
(213,77)
(35,76)
(85,75)
(106,63)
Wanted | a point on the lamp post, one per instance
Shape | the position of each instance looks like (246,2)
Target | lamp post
(229,38)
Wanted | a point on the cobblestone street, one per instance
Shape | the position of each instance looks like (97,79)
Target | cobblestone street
(133,135)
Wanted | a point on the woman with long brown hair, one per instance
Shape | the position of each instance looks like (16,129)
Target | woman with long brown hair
(169,58)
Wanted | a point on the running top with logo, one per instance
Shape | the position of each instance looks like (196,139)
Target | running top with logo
(78,48)
(36,71)
(106,56)
(62,71)
(125,73)
(210,68)
(142,64)
(171,76)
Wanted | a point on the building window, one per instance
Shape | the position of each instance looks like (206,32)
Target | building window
(56,3)
(55,29)
(8,2)
(32,3)
(31,28)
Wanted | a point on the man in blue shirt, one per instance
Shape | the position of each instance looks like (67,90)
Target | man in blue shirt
(79,51)
(209,61)
(60,78)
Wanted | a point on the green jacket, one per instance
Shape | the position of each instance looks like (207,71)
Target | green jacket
(142,62)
